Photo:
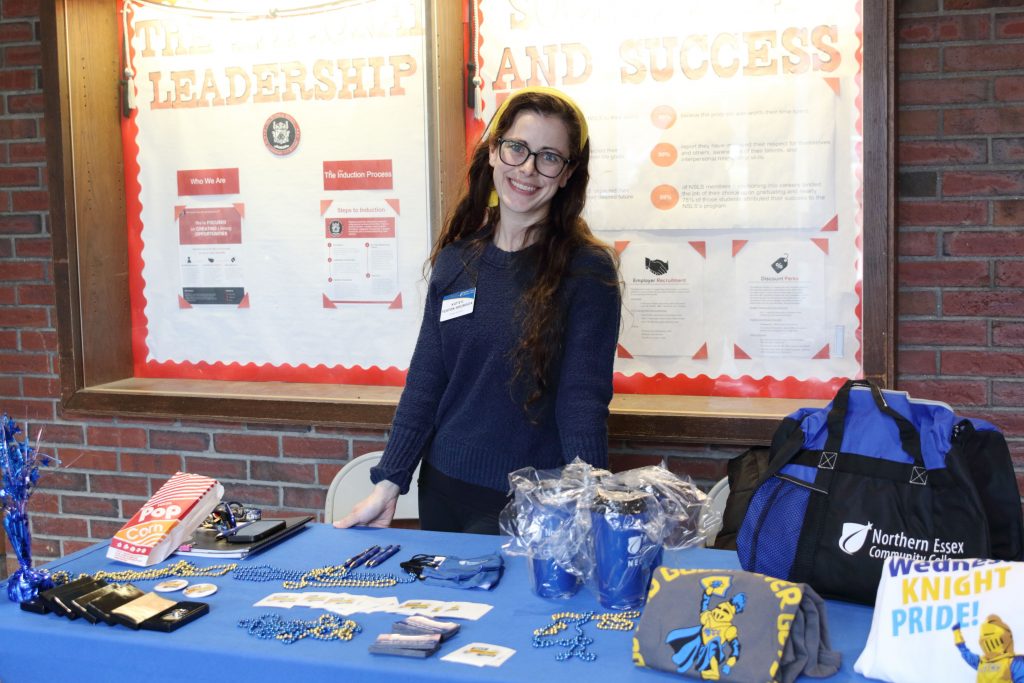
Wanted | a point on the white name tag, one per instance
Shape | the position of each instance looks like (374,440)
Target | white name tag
(458,304)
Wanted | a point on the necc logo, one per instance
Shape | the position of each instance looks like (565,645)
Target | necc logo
(853,537)
(634,544)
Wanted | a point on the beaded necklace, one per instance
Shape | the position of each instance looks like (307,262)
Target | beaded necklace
(327,627)
(179,568)
(336,576)
(577,645)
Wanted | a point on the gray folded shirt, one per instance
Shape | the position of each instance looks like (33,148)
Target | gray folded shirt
(733,625)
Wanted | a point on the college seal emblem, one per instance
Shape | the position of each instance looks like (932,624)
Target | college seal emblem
(281,134)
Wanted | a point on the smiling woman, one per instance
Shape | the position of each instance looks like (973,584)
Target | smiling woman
(525,192)
(513,365)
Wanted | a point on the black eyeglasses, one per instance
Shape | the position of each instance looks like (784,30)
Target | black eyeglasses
(515,153)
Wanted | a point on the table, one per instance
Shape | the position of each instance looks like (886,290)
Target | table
(49,648)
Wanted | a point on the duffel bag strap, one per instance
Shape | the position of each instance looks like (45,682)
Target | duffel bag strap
(784,455)
(828,460)
(910,438)
(879,468)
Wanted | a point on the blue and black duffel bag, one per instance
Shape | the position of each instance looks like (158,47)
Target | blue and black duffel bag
(876,474)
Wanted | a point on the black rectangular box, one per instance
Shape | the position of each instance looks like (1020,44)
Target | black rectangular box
(101,608)
(59,598)
(175,617)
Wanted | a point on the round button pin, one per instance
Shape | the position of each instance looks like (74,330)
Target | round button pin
(170,585)
(200,590)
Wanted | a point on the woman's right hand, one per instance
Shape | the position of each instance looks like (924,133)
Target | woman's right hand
(377,509)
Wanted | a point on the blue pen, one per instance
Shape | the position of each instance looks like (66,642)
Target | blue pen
(232,531)
(373,559)
(352,559)
(374,555)
(354,562)
(383,555)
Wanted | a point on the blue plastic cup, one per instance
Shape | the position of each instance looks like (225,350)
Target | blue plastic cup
(624,555)
(551,511)
(550,580)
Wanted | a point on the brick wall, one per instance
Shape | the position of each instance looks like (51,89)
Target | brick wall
(961,272)
(960,99)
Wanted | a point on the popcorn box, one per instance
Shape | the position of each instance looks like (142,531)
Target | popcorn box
(166,521)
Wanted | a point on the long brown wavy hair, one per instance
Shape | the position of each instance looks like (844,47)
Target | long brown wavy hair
(557,238)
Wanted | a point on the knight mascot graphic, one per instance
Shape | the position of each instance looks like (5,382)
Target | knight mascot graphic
(998,663)
(712,648)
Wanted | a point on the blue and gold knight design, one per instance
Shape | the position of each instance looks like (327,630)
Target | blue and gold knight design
(998,663)
(713,647)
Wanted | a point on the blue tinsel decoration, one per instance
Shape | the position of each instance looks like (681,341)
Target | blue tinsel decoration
(20,463)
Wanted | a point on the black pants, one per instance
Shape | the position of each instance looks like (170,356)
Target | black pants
(447,504)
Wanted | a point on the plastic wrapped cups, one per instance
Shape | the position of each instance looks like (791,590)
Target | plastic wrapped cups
(624,554)
(552,512)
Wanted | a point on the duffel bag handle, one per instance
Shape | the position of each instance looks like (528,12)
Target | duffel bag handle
(782,456)
(910,438)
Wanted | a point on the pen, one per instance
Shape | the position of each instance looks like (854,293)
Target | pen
(364,556)
(383,555)
(232,531)
(372,559)
(372,556)
(356,560)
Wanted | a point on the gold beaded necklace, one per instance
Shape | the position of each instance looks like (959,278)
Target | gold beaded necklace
(180,568)
(335,577)
(577,646)
(609,621)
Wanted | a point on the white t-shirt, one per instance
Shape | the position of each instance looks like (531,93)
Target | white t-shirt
(920,607)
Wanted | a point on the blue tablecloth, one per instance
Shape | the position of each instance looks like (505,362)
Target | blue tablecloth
(53,649)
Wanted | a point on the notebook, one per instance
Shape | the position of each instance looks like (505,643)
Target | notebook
(204,543)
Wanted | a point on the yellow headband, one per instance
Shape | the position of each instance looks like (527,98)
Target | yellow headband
(554,92)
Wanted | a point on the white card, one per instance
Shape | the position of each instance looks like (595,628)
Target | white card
(313,599)
(480,654)
(458,304)
(462,610)
(371,604)
(427,607)
(343,604)
(285,600)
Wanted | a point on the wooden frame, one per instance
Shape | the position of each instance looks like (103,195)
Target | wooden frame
(90,268)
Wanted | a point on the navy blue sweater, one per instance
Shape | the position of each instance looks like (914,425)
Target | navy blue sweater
(459,409)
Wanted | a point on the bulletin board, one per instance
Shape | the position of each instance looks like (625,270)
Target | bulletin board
(727,169)
(327,210)
(276,178)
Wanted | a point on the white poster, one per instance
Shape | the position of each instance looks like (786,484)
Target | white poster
(769,305)
(712,124)
(362,253)
(781,310)
(257,136)
(211,255)
(663,299)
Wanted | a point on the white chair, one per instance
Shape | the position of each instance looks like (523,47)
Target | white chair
(352,483)
(714,508)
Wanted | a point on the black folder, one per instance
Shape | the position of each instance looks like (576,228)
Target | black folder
(204,543)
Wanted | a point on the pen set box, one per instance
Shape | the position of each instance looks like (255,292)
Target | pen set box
(95,600)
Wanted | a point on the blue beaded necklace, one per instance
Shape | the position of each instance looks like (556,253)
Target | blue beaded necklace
(336,576)
(577,645)
(326,627)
